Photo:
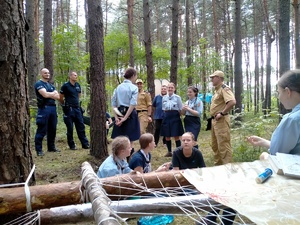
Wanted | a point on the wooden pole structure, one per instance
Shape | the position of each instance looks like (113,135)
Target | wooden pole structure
(130,208)
(96,194)
(13,200)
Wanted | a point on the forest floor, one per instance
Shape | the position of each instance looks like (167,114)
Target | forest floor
(66,165)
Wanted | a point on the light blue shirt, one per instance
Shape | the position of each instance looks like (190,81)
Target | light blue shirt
(111,167)
(286,137)
(195,104)
(172,102)
(125,94)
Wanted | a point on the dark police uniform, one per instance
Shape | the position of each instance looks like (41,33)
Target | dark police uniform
(46,119)
(73,114)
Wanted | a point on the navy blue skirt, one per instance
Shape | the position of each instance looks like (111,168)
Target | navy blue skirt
(171,125)
(129,128)
(192,124)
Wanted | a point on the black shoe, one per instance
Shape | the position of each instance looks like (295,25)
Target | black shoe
(40,153)
(86,146)
(54,150)
(73,147)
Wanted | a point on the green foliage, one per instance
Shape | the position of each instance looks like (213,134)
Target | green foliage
(254,125)
(69,50)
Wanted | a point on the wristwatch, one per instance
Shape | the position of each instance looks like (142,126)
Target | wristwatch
(223,114)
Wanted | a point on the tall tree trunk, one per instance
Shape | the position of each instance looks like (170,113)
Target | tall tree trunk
(148,48)
(87,44)
(188,42)
(297,32)
(15,153)
(98,94)
(262,69)
(238,73)
(174,44)
(284,40)
(106,18)
(256,63)
(216,26)
(130,30)
(32,49)
(270,38)
(48,49)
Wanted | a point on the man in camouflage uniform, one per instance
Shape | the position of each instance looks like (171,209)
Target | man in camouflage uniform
(143,107)
(222,102)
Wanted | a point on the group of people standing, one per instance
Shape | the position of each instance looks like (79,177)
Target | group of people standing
(46,119)
(132,108)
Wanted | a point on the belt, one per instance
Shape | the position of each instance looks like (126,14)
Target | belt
(138,111)
(171,110)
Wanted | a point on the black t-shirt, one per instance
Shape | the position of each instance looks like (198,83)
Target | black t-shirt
(71,93)
(194,161)
(41,101)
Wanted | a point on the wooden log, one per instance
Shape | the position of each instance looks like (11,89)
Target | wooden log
(13,200)
(129,209)
(96,194)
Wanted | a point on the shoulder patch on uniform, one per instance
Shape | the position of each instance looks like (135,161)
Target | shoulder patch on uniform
(225,87)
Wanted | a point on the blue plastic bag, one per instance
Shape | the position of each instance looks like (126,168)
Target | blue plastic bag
(156,220)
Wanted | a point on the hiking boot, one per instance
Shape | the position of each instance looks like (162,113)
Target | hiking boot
(73,147)
(86,146)
(40,153)
(169,154)
(54,150)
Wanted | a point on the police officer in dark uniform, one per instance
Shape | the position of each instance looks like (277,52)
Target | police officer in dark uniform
(46,119)
(69,98)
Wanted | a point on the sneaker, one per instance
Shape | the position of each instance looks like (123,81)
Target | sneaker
(54,150)
(86,146)
(169,154)
(40,153)
(73,147)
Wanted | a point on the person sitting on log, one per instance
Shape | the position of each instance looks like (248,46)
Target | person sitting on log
(187,156)
(141,160)
(116,163)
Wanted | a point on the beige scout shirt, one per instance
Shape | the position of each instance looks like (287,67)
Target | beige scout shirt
(143,101)
(222,95)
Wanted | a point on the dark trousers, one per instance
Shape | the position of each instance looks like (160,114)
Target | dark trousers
(46,121)
(157,131)
(71,117)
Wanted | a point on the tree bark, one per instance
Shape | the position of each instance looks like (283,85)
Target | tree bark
(149,59)
(32,49)
(174,44)
(238,73)
(130,31)
(15,153)
(13,200)
(284,41)
(297,32)
(97,79)
(48,49)
(270,38)
(188,42)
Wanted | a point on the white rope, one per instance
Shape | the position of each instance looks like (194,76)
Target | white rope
(26,189)
(108,218)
